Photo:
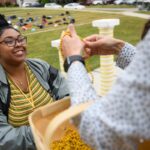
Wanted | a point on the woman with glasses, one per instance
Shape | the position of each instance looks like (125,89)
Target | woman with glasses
(25,84)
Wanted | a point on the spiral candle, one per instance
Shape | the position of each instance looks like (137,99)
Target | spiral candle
(107,65)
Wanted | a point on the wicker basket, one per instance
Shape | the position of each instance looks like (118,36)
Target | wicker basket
(144,146)
(48,123)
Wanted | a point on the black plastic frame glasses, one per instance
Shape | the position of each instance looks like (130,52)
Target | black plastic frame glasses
(11,42)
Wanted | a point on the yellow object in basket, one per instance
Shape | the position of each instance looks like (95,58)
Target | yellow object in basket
(70,141)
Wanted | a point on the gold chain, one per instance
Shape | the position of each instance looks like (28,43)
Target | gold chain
(30,100)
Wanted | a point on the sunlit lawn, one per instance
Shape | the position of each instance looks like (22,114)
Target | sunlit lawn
(144,12)
(39,41)
(112,6)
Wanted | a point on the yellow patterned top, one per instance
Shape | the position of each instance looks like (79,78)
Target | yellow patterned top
(20,107)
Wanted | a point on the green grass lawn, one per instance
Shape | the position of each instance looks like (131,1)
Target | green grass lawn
(39,42)
(111,6)
(144,12)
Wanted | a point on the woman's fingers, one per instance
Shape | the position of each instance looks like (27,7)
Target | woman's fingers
(86,53)
(92,45)
(92,38)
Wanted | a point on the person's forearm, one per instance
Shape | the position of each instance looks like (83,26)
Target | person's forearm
(118,45)
(83,88)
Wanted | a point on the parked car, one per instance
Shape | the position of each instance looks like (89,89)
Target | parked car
(26,4)
(52,5)
(74,6)
(96,2)
(119,2)
(32,4)
(37,4)
(86,3)
(110,1)
(131,2)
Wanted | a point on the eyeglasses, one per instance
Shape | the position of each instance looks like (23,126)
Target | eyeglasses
(11,42)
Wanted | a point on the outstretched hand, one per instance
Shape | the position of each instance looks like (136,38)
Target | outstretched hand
(91,45)
(72,45)
(101,45)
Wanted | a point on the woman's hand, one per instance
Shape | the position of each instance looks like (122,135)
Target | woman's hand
(101,45)
(72,45)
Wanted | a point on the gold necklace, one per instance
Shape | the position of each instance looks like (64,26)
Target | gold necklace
(20,83)
(30,100)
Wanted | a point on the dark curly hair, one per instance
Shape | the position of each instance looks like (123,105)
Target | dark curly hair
(145,29)
(5,25)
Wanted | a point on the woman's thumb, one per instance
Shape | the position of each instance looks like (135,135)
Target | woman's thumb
(72,30)
(89,44)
